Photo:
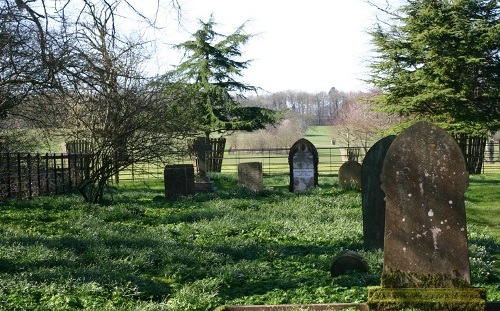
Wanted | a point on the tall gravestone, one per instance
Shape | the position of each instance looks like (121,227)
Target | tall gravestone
(372,196)
(303,162)
(350,175)
(426,259)
(250,175)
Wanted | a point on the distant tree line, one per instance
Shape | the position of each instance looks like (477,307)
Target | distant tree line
(314,108)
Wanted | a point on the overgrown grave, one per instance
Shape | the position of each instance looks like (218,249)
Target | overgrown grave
(350,175)
(426,259)
(303,161)
(372,196)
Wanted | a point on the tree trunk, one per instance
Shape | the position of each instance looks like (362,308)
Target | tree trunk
(473,151)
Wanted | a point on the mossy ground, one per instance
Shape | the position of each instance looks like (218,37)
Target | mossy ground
(427,299)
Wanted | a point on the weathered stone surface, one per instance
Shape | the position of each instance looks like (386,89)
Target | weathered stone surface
(250,175)
(350,175)
(348,260)
(424,180)
(179,180)
(303,161)
(373,198)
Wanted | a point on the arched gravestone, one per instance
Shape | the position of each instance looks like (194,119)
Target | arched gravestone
(350,175)
(303,162)
(424,179)
(348,260)
(373,198)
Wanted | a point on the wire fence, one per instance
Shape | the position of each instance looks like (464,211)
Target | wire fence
(275,161)
(26,175)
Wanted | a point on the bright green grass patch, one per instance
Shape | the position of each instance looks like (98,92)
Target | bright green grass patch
(320,135)
(141,252)
(483,202)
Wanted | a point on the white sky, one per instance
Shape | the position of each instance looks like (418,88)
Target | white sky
(300,45)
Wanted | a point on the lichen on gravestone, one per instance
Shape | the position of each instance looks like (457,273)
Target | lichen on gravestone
(424,179)
(426,258)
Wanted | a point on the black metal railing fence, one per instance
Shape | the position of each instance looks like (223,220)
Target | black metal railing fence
(26,175)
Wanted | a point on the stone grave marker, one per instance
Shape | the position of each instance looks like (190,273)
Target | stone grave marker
(426,258)
(350,175)
(250,175)
(303,162)
(348,260)
(179,180)
(201,151)
(372,196)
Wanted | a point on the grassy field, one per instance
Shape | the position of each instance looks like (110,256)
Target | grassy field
(483,203)
(141,252)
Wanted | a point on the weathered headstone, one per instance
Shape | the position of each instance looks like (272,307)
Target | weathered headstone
(426,259)
(372,196)
(350,175)
(179,180)
(303,161)
(348,260)
(250,175)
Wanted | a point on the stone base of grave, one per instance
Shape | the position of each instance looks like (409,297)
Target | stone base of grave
(203,185)
(427,299)
(295,307)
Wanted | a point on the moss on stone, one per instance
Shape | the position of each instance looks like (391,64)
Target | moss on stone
(400,279)
(427,299)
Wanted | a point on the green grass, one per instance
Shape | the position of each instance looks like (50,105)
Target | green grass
(141,252)
(483,203)
(320,136)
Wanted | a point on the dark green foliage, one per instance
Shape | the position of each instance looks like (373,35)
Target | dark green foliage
(205,85)
(439,61)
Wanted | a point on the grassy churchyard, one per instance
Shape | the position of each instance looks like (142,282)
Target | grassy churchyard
(235,247)
(141,252)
